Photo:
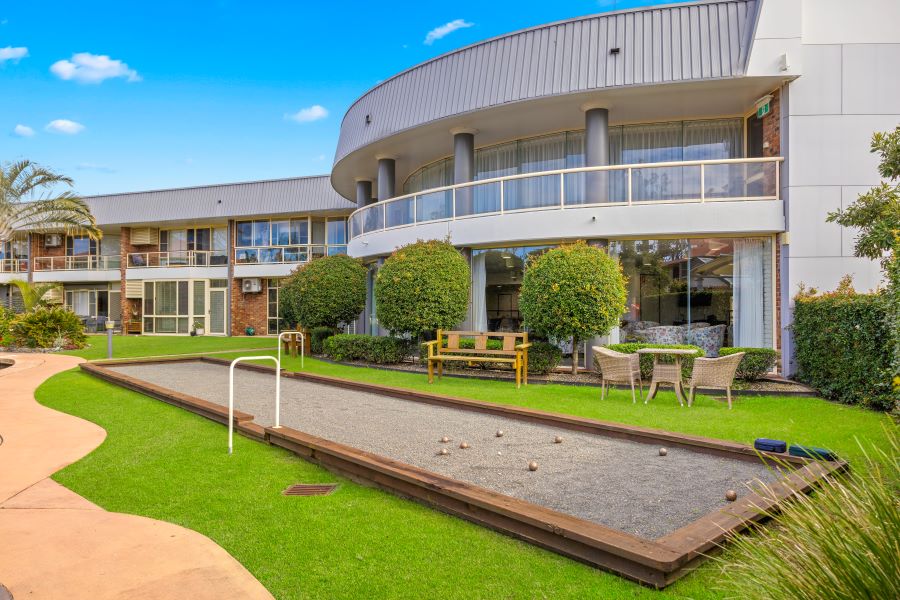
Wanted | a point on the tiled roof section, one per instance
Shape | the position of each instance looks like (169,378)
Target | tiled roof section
(278,196)
(672,43)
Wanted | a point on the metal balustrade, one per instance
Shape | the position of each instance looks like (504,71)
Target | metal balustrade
(615,185)
(14,265)
(275,255)
(181,258)
(77,263)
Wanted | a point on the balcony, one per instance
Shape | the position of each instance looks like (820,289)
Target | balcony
(180,258)
(77,263)
(14,265)
(639,189)
(279,255)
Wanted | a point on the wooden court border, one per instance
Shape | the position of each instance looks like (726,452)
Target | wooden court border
(656,563)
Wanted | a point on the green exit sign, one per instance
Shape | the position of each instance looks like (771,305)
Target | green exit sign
(762,110)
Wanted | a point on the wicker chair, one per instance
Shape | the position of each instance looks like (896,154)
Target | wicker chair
(714,372)
(615,367)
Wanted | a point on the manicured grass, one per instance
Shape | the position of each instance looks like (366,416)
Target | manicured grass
(146,345)
(165,463)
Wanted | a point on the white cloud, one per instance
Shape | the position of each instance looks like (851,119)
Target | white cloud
(307,115)
(445,30)
(23,131)
(64,126)
(13,54)
(92,68)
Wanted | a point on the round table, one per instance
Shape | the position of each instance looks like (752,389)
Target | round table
(666,372)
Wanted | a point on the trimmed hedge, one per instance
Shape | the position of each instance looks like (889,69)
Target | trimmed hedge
(317,337)
(756,362)
(422,287)
(369,348)
(843,346)
(687,362)
(48,327)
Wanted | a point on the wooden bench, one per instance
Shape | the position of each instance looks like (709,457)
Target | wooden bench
(447,347)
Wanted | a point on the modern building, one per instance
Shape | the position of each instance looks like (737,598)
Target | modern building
(702,143)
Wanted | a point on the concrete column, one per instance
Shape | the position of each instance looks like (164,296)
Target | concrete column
(386,178)
(464,168)
(596,153)
(363,193)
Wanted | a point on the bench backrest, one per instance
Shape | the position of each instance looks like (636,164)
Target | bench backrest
(450,340)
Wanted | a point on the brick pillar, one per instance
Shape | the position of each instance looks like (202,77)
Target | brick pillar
(249,310)
(127,304)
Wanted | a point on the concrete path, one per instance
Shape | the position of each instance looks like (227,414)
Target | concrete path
(56,544)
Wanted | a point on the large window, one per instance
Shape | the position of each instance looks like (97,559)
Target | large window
(496,279)
(289,240)
(628,144)
(198,246)
(80,245)
(173,306)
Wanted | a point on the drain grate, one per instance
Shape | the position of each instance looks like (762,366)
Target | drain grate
(310,489)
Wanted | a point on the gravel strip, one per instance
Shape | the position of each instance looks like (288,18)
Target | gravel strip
(621,484)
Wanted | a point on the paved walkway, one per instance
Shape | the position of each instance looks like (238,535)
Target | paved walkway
(56,544)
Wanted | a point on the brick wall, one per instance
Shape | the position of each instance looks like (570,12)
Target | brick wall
(38,249)
(248,310)
(772,127)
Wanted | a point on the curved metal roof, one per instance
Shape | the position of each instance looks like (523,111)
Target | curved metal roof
(663,44)
(270,197)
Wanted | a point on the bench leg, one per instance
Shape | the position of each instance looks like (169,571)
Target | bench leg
(440,370)
(525,368)
(430,371)
(518,368)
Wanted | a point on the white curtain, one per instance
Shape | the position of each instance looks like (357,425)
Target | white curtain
(749,293)
(81,304)
(478,308)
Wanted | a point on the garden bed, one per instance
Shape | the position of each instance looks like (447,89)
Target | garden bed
(624,507)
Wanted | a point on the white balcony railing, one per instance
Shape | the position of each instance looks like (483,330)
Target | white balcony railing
(181,258)
(13,265)
(77,263)
(277,255)
(614,185)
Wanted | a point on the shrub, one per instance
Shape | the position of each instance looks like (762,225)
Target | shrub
(6,319)
(324,292)
(317,337)
(839,543)
(422,287)
(368,348)
(843,345)
(543,357)
(573,292)
(756,362)
(687,362)
(48,328)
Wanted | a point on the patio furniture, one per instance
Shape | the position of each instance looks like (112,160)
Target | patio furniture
(447,348)
(616,367)
(716,373)
(291,343)
(666,372)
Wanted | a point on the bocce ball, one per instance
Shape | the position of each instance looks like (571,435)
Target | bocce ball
(464,445)
(557,439)
(443,452)
(731,495)
(663,451)
(445,439)
(499,433)
(532,466)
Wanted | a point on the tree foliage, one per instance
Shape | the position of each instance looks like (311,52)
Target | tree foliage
(29,200)
(573,292)
(324,292)
(422,287)
(34,295)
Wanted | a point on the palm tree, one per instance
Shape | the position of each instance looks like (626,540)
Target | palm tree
(28,201)
(33,294)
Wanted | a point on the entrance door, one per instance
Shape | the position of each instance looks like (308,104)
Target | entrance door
(217,312)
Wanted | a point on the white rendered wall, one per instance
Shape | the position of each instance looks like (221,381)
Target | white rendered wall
(849,88)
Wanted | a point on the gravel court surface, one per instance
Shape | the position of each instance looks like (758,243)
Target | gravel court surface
(618,483)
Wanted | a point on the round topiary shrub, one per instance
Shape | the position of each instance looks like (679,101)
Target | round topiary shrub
(422,287)
(48,327)
(324,293)
(572,292)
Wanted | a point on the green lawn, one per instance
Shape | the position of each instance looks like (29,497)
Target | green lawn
(134,346)
(166,463)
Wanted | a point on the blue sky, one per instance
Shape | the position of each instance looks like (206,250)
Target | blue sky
(126,96)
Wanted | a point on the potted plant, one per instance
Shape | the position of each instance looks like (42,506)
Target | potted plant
(198,328)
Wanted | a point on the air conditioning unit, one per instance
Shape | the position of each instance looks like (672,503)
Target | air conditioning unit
(251,285)
(52,240)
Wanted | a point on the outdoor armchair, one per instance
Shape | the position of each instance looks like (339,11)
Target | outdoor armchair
(715,373)
(616,367)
